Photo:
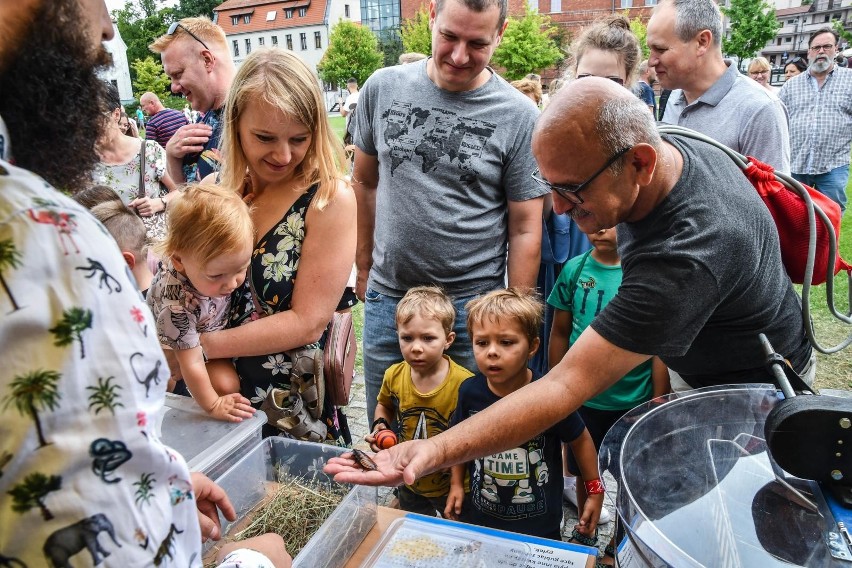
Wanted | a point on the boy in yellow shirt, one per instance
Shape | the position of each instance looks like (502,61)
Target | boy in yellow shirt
(420,393)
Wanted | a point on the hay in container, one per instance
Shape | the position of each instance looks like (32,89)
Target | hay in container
(294,508)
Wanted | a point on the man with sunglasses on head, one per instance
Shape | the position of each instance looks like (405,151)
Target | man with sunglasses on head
(196,59)
(711,96)
(819,101)
(702,275)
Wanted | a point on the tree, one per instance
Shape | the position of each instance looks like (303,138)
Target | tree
(192,8)
(140,23)
(528,46)
(71,327)
(32,392)
(841,31)
(31,492)
(641,32)
(150,77)
(753,23)
(352,52)
(10,257)
(104,396)
(416,35)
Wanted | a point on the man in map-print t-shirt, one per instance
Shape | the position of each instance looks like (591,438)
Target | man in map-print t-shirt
(442,177)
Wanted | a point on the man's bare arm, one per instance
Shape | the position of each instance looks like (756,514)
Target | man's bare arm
(524,241)
(365,180)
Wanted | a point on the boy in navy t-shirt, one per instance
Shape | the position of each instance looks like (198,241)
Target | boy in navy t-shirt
(519,489)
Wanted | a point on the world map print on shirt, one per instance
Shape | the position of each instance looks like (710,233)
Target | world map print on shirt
(436,136)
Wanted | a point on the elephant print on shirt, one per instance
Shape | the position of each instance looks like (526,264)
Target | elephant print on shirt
(66,542)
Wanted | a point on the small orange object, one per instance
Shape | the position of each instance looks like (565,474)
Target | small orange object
(385,438)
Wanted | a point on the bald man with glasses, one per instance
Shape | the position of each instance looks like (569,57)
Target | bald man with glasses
(196,59)
(820,105)
(702,275)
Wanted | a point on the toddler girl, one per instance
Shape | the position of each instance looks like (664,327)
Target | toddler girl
(205,256)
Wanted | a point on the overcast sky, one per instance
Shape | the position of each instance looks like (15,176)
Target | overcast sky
(116,4)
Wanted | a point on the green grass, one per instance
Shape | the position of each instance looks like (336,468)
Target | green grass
(834,371)
(338,125)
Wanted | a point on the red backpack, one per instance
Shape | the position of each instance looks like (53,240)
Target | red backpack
(794,208)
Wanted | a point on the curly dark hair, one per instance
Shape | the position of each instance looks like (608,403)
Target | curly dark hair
(52,100)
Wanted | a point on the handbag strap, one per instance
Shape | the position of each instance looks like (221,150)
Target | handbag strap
(141,192)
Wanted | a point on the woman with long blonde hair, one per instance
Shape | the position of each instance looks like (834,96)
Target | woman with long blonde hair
(280,153)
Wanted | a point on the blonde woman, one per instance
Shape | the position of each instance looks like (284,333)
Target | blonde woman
(278,147)
(760,70)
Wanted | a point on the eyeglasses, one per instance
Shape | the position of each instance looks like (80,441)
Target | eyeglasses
(618,80)
(175,25)
(571,192)
(763,72)
(818,48)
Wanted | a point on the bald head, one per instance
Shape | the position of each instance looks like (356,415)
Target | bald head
(596,113)
(150,103)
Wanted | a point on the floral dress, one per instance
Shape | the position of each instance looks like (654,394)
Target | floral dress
(124,178)
(272,276)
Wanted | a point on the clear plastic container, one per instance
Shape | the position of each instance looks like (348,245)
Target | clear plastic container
(697,487)
(415,541)
(339,536)
(208,445)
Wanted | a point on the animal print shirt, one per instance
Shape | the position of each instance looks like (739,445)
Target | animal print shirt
(83,477)
(182,313)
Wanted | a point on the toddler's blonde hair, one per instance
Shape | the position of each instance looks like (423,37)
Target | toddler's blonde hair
(206,221)
(519,304)
(427,302)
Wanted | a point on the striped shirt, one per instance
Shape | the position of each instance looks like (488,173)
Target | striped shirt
(162,126)
(820,120)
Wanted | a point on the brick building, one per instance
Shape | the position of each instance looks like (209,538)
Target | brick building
(302,26)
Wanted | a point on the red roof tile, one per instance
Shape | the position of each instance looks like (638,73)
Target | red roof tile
(793,11)
(315,14)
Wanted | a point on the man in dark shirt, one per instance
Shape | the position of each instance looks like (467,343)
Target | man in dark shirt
(702,274)
(162,122)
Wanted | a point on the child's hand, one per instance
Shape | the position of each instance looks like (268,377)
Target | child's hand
(455,498)
(231,408)
(591,513)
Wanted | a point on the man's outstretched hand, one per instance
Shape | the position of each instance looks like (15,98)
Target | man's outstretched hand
(401,464)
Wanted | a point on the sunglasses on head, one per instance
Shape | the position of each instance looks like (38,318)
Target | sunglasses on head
(175,25)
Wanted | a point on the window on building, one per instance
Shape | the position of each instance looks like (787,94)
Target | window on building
(827,18)
(247,18)
(778,42)
(555,6)
(317,40)
(288,14)
(650,2)
(788,40)
(290,42)
(274,41)
(346,10)
(626,3)
(235,20)
(236,48)
(248,46)
(303,41)
(260,41)
(302,12)
(270,15)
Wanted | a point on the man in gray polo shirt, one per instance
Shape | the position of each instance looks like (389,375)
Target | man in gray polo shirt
(709,96)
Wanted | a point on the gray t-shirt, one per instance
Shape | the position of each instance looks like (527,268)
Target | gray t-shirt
(703,277)
(448,165)
(740,114)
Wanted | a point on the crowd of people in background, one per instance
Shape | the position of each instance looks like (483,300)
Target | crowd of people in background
(485,225)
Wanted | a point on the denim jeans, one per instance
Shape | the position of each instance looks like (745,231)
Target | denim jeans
(381,344)
(831,184)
